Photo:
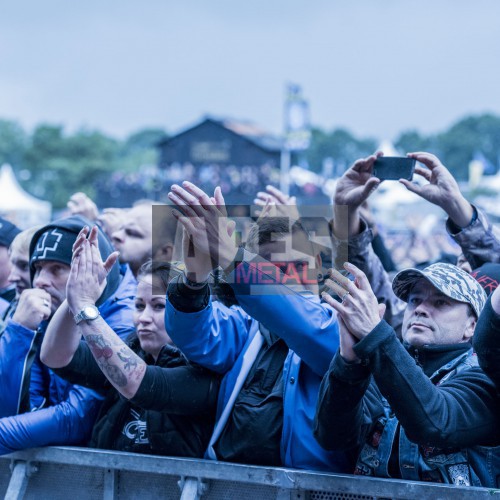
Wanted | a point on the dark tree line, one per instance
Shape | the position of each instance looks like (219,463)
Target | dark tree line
(52,164)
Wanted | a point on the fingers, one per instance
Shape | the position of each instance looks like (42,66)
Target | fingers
(110,262)
(381,310)
(75,264)
(360,279)
(332,302)
(187,222)
(343,281)
(366,164)
(231,226)
(179,201)
(86,257)
(262,199)
(411,186)
(428,159)
(371,184)
(93,236)
(338,289)
(219,201)
(279,195)
(196,196)
(82,236)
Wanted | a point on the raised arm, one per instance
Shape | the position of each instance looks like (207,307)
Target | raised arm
(468,226)
(62,337)
(122,367)
(487,338)
(352,239)
(460,412)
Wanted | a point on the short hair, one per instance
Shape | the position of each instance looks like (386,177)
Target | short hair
(21,243)
(270,229)
(162,270)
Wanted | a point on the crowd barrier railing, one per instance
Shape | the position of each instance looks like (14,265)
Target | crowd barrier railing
(82,473)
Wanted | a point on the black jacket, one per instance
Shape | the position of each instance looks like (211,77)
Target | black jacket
(178,396)
(458,411)
(487,342)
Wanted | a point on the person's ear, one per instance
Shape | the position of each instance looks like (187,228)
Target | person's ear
(164,253)
(470,327)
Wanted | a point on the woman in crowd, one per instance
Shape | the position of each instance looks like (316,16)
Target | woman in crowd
(155,401)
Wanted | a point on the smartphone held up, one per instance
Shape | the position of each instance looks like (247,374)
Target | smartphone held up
(393,168)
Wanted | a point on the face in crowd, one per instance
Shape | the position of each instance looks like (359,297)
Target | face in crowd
(289,249)
(149,315)
(134,238)
(432,317)
(5,266)
(19,256)
(52,277)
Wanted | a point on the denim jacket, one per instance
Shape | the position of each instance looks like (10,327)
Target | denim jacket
(426,463)
(431,422)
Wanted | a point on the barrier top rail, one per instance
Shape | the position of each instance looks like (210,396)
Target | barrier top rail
(280,478)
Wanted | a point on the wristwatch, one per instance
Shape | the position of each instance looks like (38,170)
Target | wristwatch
(88,313)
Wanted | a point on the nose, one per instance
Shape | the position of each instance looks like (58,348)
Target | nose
(422,309)
(117,236)
(145,315)
(14,275)
(41,279)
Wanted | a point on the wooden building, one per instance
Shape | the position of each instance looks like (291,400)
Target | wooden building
(239,156)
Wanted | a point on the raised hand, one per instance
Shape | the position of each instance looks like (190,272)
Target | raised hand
(87,278)
(275,203)
(205,220)
(442,189)
(357,183)
(81,204)
(359,308)
(34,306)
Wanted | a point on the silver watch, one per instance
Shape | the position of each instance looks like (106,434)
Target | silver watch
(88,313)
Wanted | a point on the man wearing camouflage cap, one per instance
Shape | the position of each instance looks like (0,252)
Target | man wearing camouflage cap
(417,410)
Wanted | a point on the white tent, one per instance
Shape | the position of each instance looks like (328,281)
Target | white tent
(18,205)
(388,148)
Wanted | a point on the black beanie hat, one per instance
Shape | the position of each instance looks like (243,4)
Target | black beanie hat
(55,242)
(8,232)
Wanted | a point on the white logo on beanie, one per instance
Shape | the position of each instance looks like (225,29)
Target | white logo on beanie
(49,238)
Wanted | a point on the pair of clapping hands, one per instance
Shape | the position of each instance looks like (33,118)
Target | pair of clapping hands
(207,229)
(87,277)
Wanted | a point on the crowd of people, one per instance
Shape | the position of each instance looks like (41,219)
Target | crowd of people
(174,330)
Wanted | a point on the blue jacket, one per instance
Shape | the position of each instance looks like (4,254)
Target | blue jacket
(218,338)
(65,413)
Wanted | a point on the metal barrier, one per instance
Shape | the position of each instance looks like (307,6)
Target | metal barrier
(82,473)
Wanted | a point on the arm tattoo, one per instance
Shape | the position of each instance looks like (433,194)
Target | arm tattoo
(102,348)
(129,360)
(114,374)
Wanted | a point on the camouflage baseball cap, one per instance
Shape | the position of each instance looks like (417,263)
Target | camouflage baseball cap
(448,279)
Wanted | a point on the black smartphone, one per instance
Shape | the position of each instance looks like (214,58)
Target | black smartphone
(393,168)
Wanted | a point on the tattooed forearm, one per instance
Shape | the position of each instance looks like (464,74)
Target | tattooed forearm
(121,366)
(129,359)
(114,374)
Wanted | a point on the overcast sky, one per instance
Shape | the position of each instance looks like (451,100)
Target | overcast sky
(376,67)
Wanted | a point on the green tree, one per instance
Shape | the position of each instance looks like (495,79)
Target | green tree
(458,145)
(412,141)
(61,165)
(13,143)
(340,145)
